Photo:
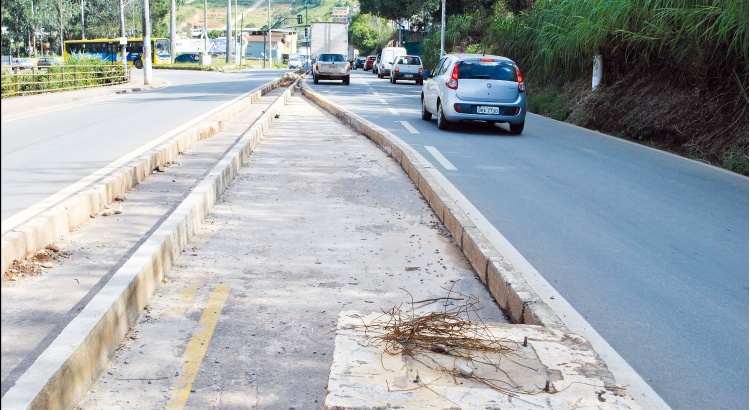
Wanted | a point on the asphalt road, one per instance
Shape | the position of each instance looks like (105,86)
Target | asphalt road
(50,152)
(649,248)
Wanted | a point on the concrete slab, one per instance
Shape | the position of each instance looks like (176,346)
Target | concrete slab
(378,363)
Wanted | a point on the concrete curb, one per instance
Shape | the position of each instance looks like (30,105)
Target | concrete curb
(63,373)
(511,291)
(44,229)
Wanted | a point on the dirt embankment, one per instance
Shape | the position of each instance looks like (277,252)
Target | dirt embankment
(706,122)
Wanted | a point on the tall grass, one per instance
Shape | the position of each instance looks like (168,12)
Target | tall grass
(557,38)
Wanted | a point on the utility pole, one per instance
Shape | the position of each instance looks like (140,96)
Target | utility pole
(146,43)
(234,37)
(83,34)
(205,26)
(229,32)
(123,39)
(442,32)
(269,34)
(172,30)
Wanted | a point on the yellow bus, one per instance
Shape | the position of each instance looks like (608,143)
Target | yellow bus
(108,49)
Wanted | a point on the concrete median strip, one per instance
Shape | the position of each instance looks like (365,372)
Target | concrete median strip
(508,288)
(506,284)
(63,373)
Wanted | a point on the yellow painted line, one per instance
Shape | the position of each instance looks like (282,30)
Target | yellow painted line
(197,347)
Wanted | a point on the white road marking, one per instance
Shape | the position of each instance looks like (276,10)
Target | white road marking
(382,101)
(409,127)
(393,111)
(441,159)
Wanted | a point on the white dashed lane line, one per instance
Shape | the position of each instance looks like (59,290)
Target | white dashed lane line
(441,159)
(409,127)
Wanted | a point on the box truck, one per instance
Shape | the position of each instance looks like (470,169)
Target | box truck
(329,37)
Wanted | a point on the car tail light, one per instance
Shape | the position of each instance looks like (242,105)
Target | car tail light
(521,85)
(453,81)
(395,70)
(420,71)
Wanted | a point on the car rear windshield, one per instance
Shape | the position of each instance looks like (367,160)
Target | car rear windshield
(336,58)
(487,70)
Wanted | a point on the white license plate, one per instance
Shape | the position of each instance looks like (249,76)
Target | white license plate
(481,109)
(408,76)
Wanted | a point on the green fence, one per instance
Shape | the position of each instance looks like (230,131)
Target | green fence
(61,78)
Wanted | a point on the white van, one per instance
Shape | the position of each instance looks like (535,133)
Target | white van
(387,56)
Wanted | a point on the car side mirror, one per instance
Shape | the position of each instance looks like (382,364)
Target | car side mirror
(426,73)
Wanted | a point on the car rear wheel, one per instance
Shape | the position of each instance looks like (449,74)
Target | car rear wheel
(346,80)
(516,128)
(442,122)
(426,115)
(393,80)
(315,79)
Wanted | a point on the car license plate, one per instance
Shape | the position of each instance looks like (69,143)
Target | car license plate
(408,76)
(481,109)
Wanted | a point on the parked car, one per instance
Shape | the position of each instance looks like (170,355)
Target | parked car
(359,62)
(22,63)
(369,62)
(474,87)
(375,64)
(407,67)
(47,62)
(187,58)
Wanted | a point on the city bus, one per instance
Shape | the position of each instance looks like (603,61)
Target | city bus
(108,49)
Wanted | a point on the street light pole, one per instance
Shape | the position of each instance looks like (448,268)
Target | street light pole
(442,32)
(269,34)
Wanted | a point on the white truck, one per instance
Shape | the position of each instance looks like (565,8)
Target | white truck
(329,37)
(329,47)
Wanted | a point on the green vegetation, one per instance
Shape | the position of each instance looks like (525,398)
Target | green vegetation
(79,72)
(675,71)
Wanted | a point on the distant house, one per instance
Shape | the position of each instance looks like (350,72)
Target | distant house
(282,42)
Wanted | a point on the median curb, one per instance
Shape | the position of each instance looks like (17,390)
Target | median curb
(63,373)
(510,290)
(44,229)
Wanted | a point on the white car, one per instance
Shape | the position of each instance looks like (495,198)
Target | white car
(295,63)
(474,87)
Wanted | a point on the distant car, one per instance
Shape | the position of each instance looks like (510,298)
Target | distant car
(376,64)
(407,67)
(22,63)
(187,58)
(47,62)
(387,56)
(474,87)
(359,63)
(295,62)
(369,62)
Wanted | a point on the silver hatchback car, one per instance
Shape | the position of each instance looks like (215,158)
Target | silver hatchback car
(474,87)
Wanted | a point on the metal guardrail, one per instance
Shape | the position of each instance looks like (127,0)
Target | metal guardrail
(60,78)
